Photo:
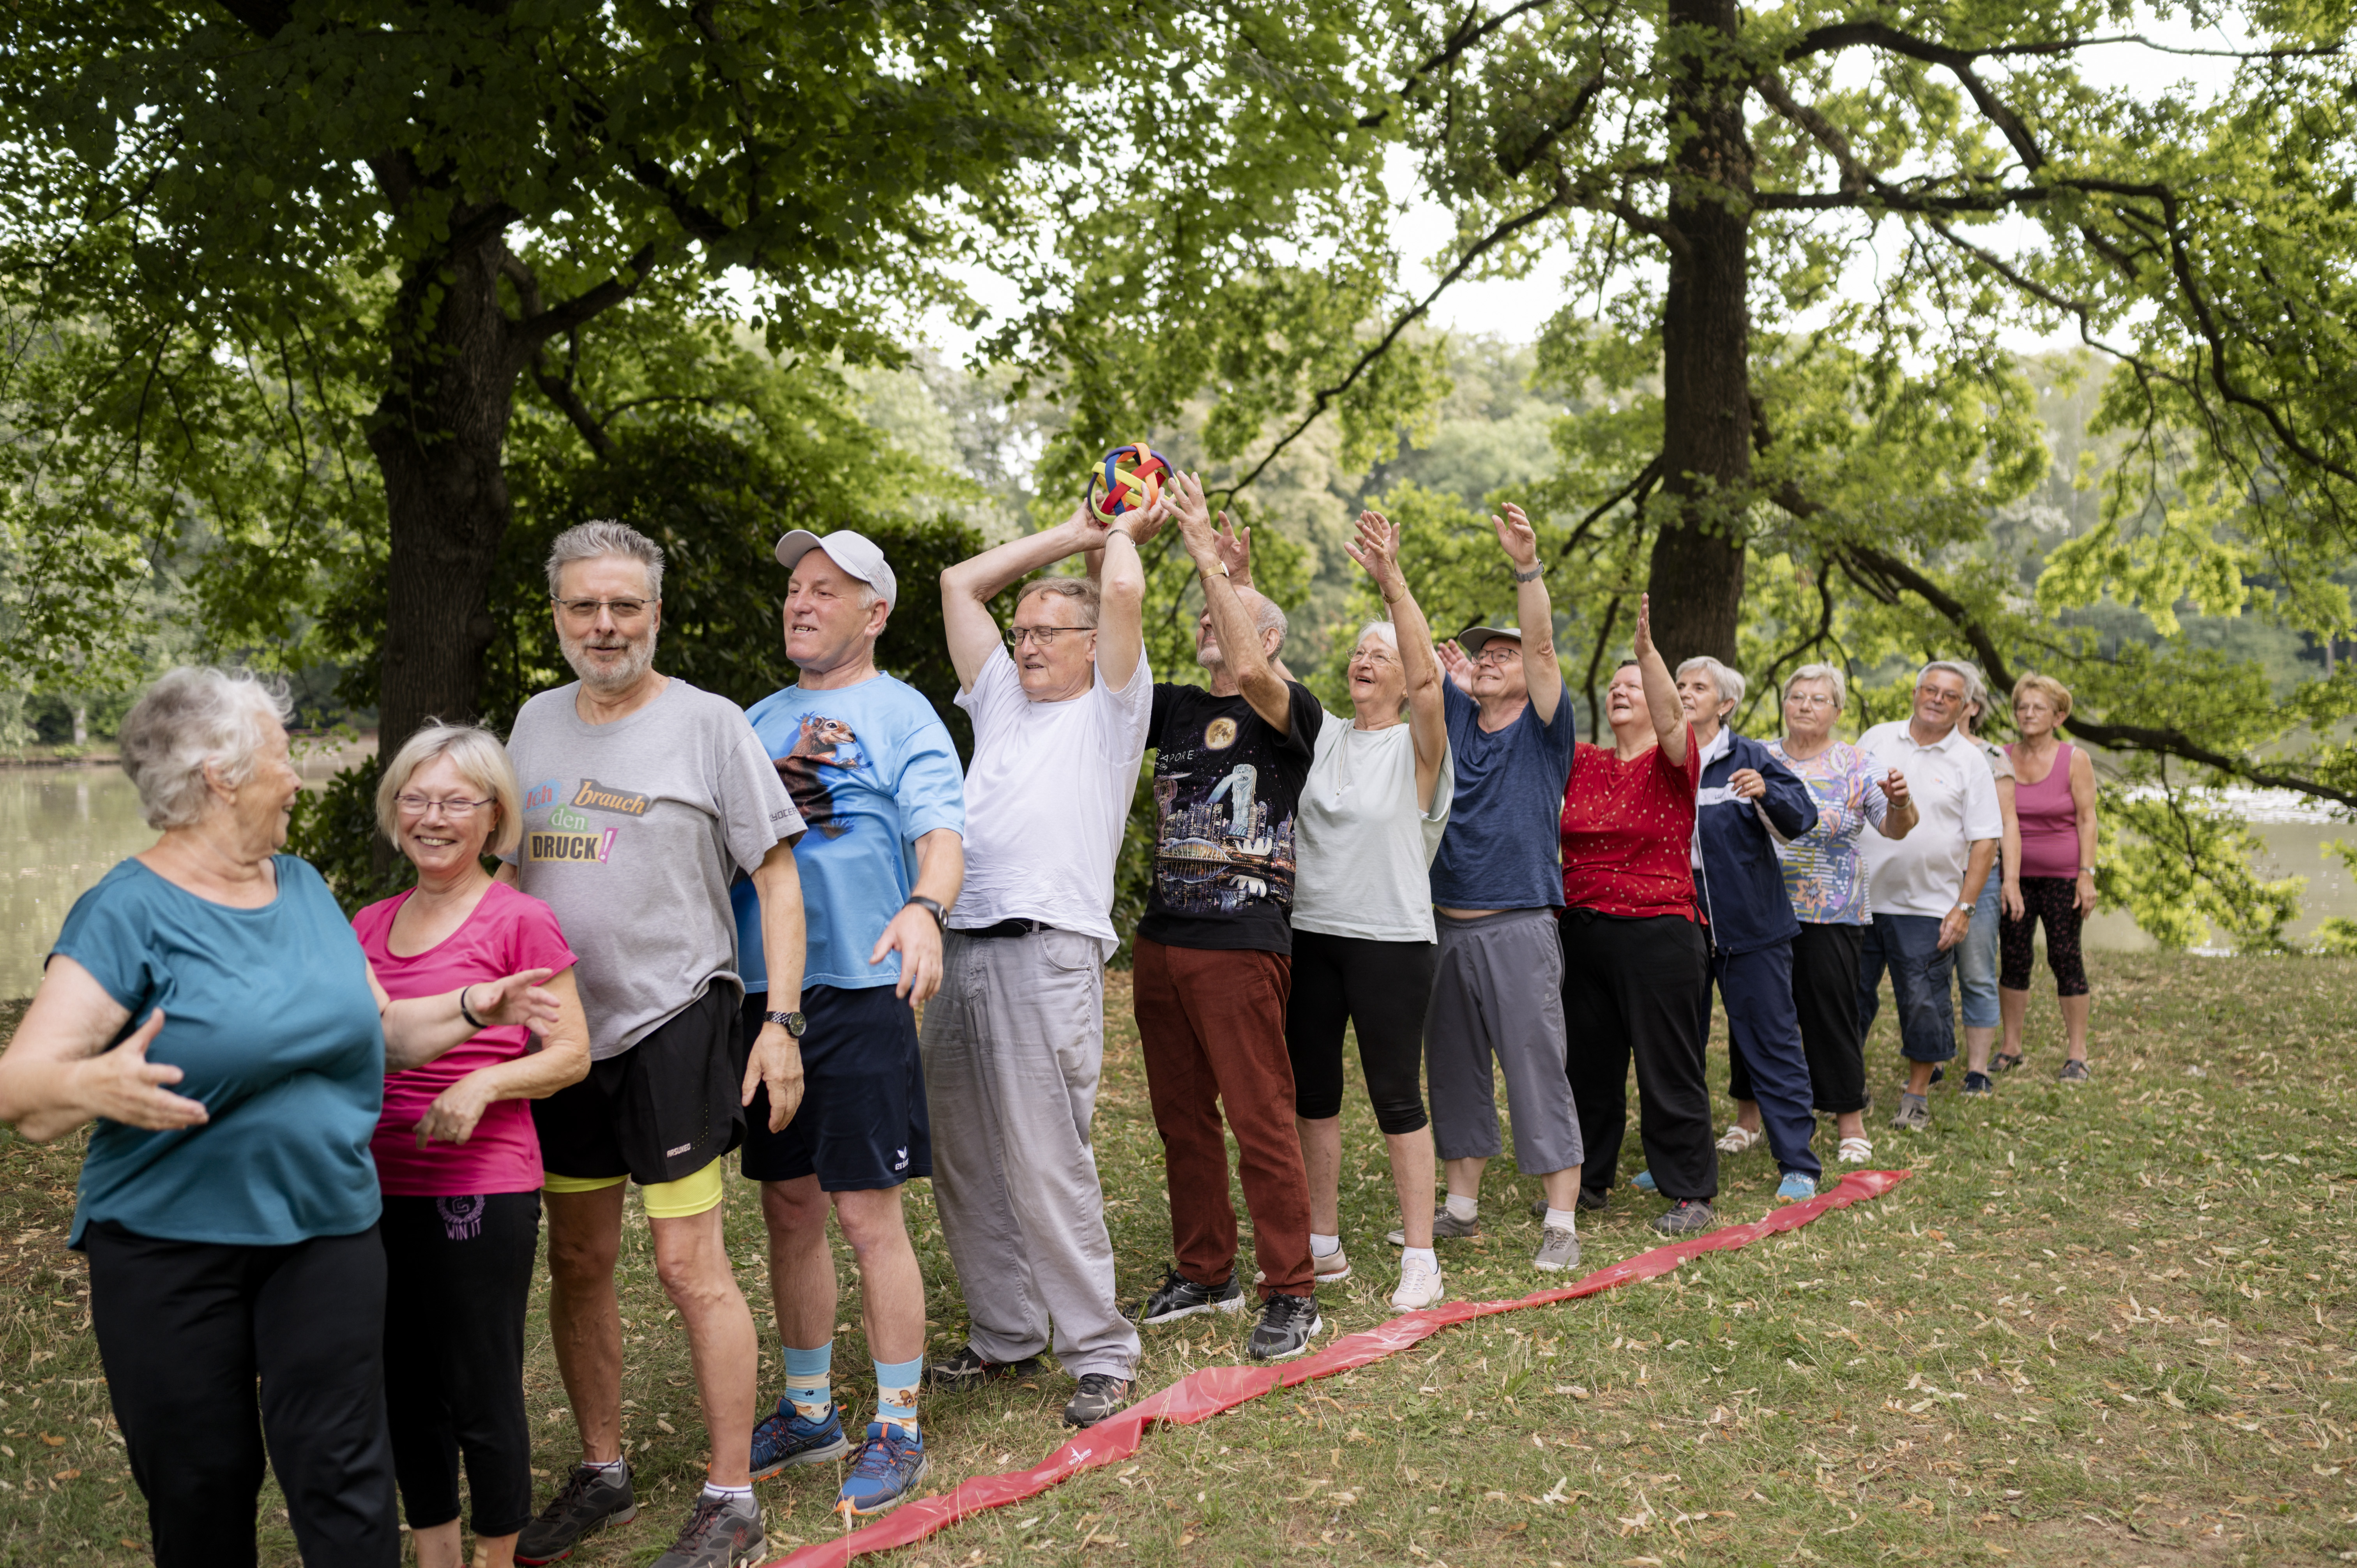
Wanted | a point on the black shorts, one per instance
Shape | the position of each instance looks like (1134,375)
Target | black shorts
(862,1121)
(663,1109)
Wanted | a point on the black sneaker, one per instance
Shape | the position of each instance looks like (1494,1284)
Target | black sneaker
(721,1533)
(1100,1394)
(1979,1083)
(587,1502)
(1179,1296)
(1685,1217)
(1286,1324)
(970,1369)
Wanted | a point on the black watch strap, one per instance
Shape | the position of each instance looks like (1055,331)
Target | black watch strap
(931,906)
(793,1024)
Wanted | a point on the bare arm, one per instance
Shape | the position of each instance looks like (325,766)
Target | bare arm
(1900,817)
(417,1029)
(913,933)
(968,587)
(1661,691)
(776,1058)
(2009,863)
(2082,797)
(1240,645)
(1377,550)
(1121,616)
(57,1073)
(562,1060)
(1535,614)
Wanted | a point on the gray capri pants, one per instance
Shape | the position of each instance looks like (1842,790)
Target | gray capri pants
(1497,992)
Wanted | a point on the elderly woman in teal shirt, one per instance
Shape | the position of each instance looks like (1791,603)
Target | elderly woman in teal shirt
(209,1007)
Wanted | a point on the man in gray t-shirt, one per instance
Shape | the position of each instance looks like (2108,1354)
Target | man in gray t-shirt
(645,799)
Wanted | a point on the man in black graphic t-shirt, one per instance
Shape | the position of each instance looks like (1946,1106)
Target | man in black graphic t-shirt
(1214,955)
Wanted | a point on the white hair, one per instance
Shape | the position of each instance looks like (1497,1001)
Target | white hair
(596,540)
(1830,674)
(481,761)
(1729,682)
(194,717)
(1975,693)
(1383,629)
(1267,617)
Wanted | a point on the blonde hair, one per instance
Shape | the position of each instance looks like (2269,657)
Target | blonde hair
(480,760)
(191,717)
(2048,687)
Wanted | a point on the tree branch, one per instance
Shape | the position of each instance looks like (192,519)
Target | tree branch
(1463,36)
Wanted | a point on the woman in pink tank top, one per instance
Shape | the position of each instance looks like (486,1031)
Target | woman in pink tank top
(2054,801)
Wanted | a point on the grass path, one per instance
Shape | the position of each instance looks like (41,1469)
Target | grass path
(2111,1325)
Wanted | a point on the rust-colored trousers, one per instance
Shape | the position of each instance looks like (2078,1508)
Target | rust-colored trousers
(1212,1027)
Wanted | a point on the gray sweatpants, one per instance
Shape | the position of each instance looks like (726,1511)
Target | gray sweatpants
(1498,992)
(1013,1043)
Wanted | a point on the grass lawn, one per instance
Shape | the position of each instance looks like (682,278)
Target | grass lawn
(2110,1326)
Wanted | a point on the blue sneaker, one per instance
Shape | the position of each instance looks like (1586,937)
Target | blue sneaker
(1798,1187)
(1644,1182)
(884,1472)
(786,1439)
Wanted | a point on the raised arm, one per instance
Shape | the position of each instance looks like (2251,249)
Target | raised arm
(1377,550)
(1661,692)
(968,587)
(1121,615)
(1533,613)
(1232,621)
(2083,801)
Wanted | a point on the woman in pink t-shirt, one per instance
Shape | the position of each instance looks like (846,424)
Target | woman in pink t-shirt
(2054,798)
(457,1157)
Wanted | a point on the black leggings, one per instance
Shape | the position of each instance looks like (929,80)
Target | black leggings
(459,1273)
(1380,987)
(2054,899)
(1640,988)
(1825,994)
(209,1350)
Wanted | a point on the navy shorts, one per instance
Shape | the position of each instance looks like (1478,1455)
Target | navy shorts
(862,1121)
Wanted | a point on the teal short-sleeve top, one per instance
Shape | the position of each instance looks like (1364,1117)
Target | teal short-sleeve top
(269,1016)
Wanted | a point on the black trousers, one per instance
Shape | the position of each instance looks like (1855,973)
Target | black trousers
(1381,987)
(1641,990)
(459,1273)
(184,1329)
(1825,994)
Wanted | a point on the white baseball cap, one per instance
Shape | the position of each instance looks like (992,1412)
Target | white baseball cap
(853,550)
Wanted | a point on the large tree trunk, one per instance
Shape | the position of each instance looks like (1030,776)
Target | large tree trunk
(1698,567)
(439,435)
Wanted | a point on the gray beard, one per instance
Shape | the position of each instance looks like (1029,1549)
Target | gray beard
(632,669)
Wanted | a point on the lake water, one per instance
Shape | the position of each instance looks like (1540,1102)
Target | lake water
(62,828)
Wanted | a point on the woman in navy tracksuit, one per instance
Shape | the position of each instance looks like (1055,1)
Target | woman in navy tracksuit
(1746,792)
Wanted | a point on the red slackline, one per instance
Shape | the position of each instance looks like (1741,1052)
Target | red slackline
(1202,1394)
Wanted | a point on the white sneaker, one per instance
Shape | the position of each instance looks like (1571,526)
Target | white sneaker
(1420,1286)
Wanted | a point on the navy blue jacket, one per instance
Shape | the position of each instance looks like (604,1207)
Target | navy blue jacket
(1741,886)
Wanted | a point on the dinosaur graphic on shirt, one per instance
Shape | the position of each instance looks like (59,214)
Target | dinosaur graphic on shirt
(823,741)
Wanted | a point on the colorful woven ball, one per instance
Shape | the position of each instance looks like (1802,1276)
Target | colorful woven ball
(1128,479)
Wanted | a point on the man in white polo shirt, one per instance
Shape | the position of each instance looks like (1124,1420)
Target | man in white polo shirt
(1923,888)
(1013,1041)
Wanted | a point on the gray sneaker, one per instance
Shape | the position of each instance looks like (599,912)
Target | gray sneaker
(1446,1226)
(1558,1249)
(1914,1113)
(722,1533)
(1685,1216)
(2074,1070)
(586,1503)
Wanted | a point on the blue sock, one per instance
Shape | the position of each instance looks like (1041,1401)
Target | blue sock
(895,1392)
(806,1381)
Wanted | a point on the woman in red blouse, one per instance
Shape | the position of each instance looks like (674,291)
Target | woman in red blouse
(1636,976)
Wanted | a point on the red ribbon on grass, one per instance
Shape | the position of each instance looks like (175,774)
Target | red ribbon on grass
(1200,1395)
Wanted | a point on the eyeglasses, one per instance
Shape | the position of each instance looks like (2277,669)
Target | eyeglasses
(1808,700)
(1933,694)
(1499,652)
(456,811)
(1045,636)
(623,610)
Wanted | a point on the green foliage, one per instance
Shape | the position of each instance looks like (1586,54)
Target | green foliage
(2181,865)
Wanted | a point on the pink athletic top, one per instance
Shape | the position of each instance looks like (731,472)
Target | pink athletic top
(2049,818)
(508,931)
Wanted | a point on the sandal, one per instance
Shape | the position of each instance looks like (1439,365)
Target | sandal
(2004,1061)
(1856,1151)
(1739,1138)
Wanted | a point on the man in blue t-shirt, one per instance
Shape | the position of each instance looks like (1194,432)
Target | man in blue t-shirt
(1497,883)
(870,766)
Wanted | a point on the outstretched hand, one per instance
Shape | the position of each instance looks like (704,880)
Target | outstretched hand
(1456,665)
(123,1085)
(1192,513)
(1377,549)
(1517,538)
(1642,644)
(1235,552)
(515,999)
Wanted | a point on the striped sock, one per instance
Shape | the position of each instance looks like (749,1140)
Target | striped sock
(806,1380)
(895,1392)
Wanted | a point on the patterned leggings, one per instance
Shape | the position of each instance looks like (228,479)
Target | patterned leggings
(2055,898)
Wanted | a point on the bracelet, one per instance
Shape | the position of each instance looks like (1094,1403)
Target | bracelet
(469,1013)
(1533,575)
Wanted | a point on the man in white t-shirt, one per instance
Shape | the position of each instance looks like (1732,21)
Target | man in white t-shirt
(1923,888)
(1013,1041)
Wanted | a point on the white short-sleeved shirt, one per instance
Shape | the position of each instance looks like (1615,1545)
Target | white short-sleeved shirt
(1046,799)
(1365,847)
(1956,804)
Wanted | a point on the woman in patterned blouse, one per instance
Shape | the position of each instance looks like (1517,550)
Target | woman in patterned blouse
(1825,877)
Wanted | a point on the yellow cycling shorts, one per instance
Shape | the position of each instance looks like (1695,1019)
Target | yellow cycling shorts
(684,1198)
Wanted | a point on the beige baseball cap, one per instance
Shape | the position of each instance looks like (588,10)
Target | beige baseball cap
(847,547)
(1474,638)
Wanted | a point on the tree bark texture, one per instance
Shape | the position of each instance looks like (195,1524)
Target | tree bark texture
(1697,578)
(439,438)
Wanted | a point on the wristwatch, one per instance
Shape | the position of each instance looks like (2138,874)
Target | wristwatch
(1533,575)
(793,1024)
(1963,909)
(930,907)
